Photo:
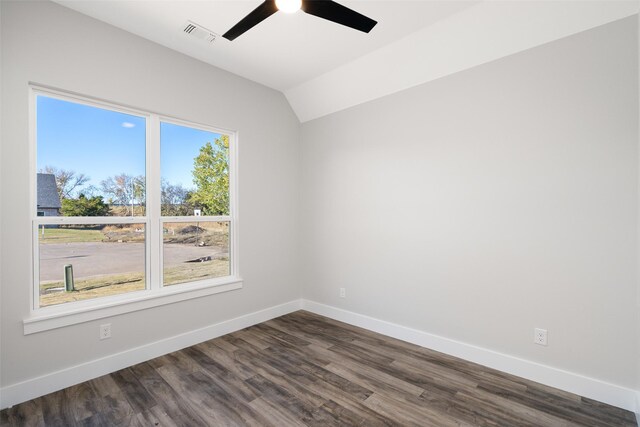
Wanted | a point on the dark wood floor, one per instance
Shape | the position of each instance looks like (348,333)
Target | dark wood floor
(303,369)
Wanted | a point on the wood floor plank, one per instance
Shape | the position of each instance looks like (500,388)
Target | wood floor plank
(27,414)
(195,391)
(374,380)
(408,414)
(83,401)
(318,326)
(290,379)
(257,340)
(274,414)
(231,383)
(105,386)
(360,415)
(310,415)
(56,410)
(137,396)
(169,401)
(353,352)
(181,384)
(225,358)
(324,376)
(303,409)
(286,349)
(303,369)
(156,416)
(528,414)
(347,403)
(267,330)
(300,332)
(223,404)
(608,410)
(115,408)
(445,374)
(566,409)
(345,395)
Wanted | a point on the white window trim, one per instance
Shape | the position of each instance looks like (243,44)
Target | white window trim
(51,317)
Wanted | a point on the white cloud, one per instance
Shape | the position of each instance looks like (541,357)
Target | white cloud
(127,125)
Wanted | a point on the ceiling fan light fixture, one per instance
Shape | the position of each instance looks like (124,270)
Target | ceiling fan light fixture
(325,9)
(288,6)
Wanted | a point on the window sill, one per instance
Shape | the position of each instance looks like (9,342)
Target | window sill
(52,317)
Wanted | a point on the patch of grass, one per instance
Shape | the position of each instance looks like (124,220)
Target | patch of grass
(192,271)
(53,292)
(92,287)
(69,235)
(110,233)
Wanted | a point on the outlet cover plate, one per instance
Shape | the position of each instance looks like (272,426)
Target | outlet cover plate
(540,336)
(105,331)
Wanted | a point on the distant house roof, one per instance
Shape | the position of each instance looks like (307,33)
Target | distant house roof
(48,197)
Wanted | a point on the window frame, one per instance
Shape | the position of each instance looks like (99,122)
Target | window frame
(154,293)
(233,263)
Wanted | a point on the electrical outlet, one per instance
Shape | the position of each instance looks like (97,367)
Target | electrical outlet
(343,293)
(105,331)
(540,336)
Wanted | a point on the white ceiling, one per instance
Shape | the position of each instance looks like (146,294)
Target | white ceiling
(283,51)
(323,67)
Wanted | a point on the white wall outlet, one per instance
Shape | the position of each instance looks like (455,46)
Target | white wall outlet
(343,293)
(105,331)
(540,336)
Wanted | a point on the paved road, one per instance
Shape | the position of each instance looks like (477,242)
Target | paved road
(97,258)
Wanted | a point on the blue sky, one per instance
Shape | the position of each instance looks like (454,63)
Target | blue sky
(102,143)
(179,145)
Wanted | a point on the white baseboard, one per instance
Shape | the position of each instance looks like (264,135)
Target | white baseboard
(575,383)
(584,386)
(30,389)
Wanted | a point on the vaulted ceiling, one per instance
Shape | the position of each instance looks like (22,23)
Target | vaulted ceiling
(323,67)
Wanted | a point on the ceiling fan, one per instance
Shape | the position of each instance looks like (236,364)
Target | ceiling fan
(326,9)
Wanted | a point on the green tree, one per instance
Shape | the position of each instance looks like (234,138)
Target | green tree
(83,206)
(211,177)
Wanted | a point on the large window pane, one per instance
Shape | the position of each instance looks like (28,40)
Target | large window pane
(195,171)
(91,161)
(195,251)
(105,260)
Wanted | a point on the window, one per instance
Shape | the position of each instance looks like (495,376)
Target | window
(127,204)
(194,203)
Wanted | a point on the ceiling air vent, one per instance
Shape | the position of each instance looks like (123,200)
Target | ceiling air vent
(199,31)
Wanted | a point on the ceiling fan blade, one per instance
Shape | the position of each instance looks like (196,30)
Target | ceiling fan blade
(258,15)
(338,13)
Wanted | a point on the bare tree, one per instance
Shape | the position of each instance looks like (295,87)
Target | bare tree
(68,182)
(125,190)
(173,199)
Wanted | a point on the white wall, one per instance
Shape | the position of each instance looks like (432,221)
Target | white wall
(49,44)
(489,202)
(1,40)
(638,278)
(477,206)
(484,32)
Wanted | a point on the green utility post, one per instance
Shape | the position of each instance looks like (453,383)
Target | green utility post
(68,278)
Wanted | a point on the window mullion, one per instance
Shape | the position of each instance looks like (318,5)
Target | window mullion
(154,244)
(233,205)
